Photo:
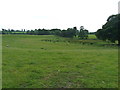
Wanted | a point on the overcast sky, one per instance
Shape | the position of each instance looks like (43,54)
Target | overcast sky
(63,14)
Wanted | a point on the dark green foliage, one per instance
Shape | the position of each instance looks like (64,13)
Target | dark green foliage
(110,30)
(39,32)
(83,34)
(55,32)
(11,31)
(4,31)
(70,32)
(75,31)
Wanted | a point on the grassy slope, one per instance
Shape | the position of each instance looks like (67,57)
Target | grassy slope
(32,62)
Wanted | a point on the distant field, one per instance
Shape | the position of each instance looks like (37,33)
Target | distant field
(92,36)
(46,61)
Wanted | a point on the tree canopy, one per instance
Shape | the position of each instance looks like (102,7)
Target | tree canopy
(110,30)
(83,34)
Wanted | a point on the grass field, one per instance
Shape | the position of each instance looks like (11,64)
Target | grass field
(40,61)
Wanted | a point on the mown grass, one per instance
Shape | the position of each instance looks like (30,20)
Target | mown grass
(31,61)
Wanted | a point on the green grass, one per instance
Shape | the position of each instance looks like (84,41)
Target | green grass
(45,61)
(92,36)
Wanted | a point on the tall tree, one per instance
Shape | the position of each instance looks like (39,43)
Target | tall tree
(83,34)
(110,30)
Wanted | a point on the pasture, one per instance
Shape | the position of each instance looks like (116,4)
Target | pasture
(46,61)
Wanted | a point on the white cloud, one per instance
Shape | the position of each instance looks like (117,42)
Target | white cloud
(31,14)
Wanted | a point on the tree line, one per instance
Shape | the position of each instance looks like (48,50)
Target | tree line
(70,32)
(110,31)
